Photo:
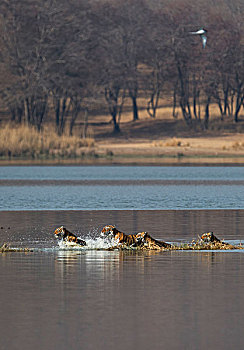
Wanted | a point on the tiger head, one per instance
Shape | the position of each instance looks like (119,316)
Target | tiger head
(209,237)
(60,232)
(108,231)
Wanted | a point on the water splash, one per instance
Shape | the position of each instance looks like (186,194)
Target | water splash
(92,243)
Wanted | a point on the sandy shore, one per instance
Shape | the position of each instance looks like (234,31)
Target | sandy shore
(199,150)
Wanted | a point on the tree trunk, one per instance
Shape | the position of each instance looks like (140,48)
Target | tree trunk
(196,94)
(112,97)
(75,113)
(133,90)
(62,119)
(27,111)
(41,112)
(57,113)
(220,107)
(239,102)
(206,117)
(184,101)
(174,113)
(152,104)
(135,108)
(114,118)
(226,100)
(85,124)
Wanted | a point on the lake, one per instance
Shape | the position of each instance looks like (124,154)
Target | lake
(97,299)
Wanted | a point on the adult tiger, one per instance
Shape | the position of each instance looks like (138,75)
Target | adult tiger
(214,242)
(209,237)
(141,240)
(150,243)
(68,237)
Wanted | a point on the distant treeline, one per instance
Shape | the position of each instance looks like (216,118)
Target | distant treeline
(61,56)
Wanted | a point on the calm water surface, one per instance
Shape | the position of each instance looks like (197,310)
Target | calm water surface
(114,300)
(96,299)
(121,188)
(121,173)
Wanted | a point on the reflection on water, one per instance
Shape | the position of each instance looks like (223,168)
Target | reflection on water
(89,299)
(108,300)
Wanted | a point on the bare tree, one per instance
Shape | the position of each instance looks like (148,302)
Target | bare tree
(58,56)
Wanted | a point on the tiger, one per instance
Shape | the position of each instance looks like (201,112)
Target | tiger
(209,237)
(150,243)
(140,240)
(214,242)
(68,237)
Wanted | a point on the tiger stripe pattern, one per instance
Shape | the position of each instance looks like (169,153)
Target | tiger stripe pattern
(141,240)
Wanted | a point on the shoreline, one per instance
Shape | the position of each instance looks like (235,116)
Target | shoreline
(115,161)
(226,150)
(163,142)
(132,160)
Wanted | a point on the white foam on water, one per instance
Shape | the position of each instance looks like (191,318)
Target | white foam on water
(91,244)
(99,243)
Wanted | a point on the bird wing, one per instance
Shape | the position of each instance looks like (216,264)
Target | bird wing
(199,32)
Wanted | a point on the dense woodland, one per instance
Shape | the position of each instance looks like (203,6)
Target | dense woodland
(59,57)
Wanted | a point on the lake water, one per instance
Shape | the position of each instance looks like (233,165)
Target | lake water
(121,188)
(120,173)
(96,299)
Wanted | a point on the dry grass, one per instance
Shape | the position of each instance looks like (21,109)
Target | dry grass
(25,141)
(238,145)
(172,142)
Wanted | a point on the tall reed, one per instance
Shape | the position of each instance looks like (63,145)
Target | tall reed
(26,141)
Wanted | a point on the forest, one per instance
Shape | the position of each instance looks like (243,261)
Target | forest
(60,58)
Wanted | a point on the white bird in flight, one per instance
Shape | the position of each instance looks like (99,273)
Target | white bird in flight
(202,32)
